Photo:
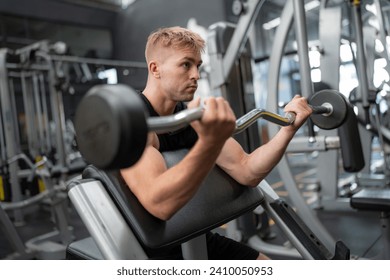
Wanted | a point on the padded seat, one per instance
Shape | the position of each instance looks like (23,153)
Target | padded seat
(372,199)
(219,200)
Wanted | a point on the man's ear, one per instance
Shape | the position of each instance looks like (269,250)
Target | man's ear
(154,69)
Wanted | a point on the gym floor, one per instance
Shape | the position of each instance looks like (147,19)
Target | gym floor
(359,230)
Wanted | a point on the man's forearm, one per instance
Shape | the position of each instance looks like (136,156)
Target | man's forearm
(262,160)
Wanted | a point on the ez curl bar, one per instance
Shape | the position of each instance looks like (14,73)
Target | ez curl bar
(111,122)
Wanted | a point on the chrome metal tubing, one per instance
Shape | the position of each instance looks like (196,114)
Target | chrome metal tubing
(182,119)
(248,119)
(174,122)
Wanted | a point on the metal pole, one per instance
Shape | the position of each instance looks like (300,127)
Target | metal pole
(361,59)
(57,110)
(219,76)
(303,210)
(9,133)
(303,49)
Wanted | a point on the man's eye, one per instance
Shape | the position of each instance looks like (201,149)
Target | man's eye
(186,65)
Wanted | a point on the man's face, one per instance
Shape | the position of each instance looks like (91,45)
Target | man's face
(179,73)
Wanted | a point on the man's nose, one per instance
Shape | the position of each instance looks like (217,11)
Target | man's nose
(195,73)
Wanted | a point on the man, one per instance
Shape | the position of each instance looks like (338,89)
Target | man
(173,56)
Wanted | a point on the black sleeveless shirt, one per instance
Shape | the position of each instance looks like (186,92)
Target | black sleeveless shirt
(180,139)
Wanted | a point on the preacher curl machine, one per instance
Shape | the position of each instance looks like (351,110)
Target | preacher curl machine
(111,128)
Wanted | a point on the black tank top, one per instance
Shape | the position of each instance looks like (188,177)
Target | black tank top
(180,139)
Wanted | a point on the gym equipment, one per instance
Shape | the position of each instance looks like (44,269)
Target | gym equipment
(113,134)
(222,39)
(125,230)
(327,162)
(368,98)
(36,87)
(376,199)
(327,171)
(332,109)
(37,151)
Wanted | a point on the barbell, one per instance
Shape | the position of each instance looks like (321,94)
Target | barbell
(111,122)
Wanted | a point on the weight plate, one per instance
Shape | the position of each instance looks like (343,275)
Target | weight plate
(110,124)
(339,109)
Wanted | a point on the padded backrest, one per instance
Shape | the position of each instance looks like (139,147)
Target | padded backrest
(219,200)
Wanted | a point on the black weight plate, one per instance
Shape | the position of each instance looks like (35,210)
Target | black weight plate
(339,109)
(111,129)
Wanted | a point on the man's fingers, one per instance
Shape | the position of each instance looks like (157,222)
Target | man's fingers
(194,103)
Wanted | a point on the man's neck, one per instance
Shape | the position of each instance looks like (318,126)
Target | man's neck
(160,103)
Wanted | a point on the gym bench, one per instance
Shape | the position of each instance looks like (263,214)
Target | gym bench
(121,228)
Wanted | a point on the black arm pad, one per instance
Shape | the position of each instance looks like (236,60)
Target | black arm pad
(218,200)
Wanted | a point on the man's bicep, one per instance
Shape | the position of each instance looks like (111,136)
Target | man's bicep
(142,175)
